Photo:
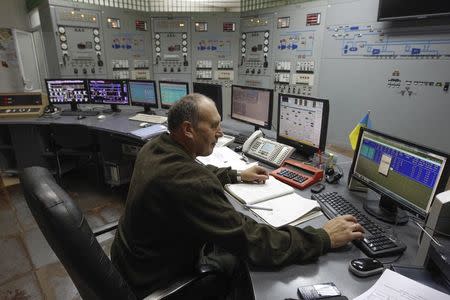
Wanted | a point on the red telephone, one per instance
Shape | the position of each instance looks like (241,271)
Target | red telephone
(297,174)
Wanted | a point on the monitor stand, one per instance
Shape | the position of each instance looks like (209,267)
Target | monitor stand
(386,210)
(113,109)
(147,110)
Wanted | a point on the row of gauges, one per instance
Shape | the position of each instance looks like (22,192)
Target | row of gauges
(63,38)
(244,43)
(158,43)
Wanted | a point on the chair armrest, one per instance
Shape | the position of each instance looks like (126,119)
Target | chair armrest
(105,228)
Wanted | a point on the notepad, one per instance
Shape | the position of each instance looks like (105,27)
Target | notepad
(286,206)
(223,157)
(148,132)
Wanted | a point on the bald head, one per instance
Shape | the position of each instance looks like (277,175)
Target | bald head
(189,108)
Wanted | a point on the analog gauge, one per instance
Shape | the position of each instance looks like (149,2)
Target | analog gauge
(243,49)
(244,36)
(96,32)
(184,49)
(157,36)
(61,30)
(266,42)
(266,34)
(157,49)
(184,36)
(243,43)
(184,43)
(97,47)
(157,43)
(97,39)
(64,46)
(62,38)
(266,49)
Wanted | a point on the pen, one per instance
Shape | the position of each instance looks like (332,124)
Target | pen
(244,158)
(259,207)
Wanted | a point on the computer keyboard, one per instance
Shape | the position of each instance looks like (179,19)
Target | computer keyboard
(240,138)
(376,242)
(148,118)
(85,113)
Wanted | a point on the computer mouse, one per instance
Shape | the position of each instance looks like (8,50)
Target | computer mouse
(143,124)
(238,149)
(364,267)
(81,117)
(101,117)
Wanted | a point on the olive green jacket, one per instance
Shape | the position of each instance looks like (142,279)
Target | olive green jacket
(175,205)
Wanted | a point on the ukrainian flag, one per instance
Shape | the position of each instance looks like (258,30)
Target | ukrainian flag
(353,136)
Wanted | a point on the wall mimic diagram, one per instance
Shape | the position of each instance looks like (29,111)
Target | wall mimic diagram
(370,41)
(298,42)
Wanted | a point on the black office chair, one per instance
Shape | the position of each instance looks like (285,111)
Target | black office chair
(69,235)
(72,143)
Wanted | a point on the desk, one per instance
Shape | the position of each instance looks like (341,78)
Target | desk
(331,267)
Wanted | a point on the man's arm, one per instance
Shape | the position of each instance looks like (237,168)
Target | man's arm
(255,174)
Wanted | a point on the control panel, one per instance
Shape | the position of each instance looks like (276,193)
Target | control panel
(79,42)
(256,43)
(21,105)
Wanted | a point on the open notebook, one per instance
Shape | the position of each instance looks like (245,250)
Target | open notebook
(286,206)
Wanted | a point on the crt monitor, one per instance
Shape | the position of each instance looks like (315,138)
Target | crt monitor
(303,123)
(252,105)
(109,91)
(406,175)
(143,93)
(64,91)
(212,91)
(170,92)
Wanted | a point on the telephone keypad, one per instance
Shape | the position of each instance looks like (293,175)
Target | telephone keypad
(291,175)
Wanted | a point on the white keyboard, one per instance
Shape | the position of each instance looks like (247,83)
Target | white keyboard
(225,140)
(148,118)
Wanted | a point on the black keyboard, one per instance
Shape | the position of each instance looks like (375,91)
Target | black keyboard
(376,242)
(240,138)
(85,113)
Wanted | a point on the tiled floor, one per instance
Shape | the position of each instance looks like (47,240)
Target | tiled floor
(28,267)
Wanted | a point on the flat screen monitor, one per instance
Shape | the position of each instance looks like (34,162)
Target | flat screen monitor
(143,93)
(64,91)
(212,91)
(405,174)
(303,123)
(389,10)
(170,92)
(109,91)
(252,105)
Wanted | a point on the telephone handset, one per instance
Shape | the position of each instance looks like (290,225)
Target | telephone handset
(265,150)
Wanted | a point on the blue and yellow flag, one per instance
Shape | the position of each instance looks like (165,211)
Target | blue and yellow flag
(353,136)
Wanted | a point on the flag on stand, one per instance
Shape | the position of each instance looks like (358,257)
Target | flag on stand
(364,122)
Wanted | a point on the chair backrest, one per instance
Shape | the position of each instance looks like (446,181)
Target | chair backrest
(68,233)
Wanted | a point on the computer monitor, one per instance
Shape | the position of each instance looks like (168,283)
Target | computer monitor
(67,91)
(252,105)
(303,123)
(406,175)
(170,92)
(109,91)
(143,93)
(213,91)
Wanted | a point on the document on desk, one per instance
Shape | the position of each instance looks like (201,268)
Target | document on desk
(392,285)
(150,131)
(223,157)
(275,202)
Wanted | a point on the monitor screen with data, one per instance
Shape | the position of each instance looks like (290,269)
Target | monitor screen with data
(303,122)
(143,92)
(170,92)
(406,173)
(252,105)
(62,91)
(108,91)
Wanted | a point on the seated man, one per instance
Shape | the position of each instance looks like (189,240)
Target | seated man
(176,206)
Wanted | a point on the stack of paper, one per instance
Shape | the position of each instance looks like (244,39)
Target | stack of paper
(277,202)
(148,132)
(223,157)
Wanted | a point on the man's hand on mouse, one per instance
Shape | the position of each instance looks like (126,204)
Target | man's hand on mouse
(342,230)
(255,174)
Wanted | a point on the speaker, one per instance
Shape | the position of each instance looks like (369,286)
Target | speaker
(438,220)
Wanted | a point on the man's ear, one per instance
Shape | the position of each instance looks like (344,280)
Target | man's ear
(187,129)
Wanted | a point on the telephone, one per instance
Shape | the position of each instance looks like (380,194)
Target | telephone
(265,150)
(298,174)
